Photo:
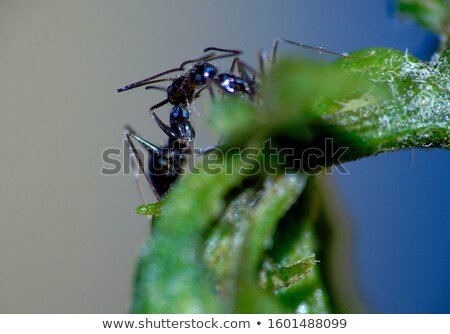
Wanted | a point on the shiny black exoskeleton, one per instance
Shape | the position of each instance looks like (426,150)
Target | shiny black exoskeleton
(232,84)
(184,89)
(165,164)
(180,128)
(180,125)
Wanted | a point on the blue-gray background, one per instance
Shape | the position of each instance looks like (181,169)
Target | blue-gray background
(69,238)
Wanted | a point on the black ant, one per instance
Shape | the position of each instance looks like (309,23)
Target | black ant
(166,163)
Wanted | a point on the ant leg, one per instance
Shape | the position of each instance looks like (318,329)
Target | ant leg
(197,60)
(211,56)
(197,95)
(135,170)
(245,67)
(277,41)
(166,129)
(135,159)
(129,134)
(233,64)
(211,92)
(245,71)
(263,62)
(160,104)
(156,87)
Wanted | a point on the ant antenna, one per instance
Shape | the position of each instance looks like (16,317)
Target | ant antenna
(229,53)
(314,48)
(150,80)
(203,58)
(236,52)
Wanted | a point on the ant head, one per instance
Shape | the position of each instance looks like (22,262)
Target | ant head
(200,73)
(179,122)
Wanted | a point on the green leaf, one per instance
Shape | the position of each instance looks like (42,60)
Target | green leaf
(237,243)
(415,113)
(375,101)
(171,277)
(431,14)
(151,209)
(275,276)
(242,237)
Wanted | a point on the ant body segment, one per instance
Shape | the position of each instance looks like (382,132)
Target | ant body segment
(180,128)
(165,164)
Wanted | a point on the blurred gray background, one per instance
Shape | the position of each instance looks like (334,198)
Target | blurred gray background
(68,235)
